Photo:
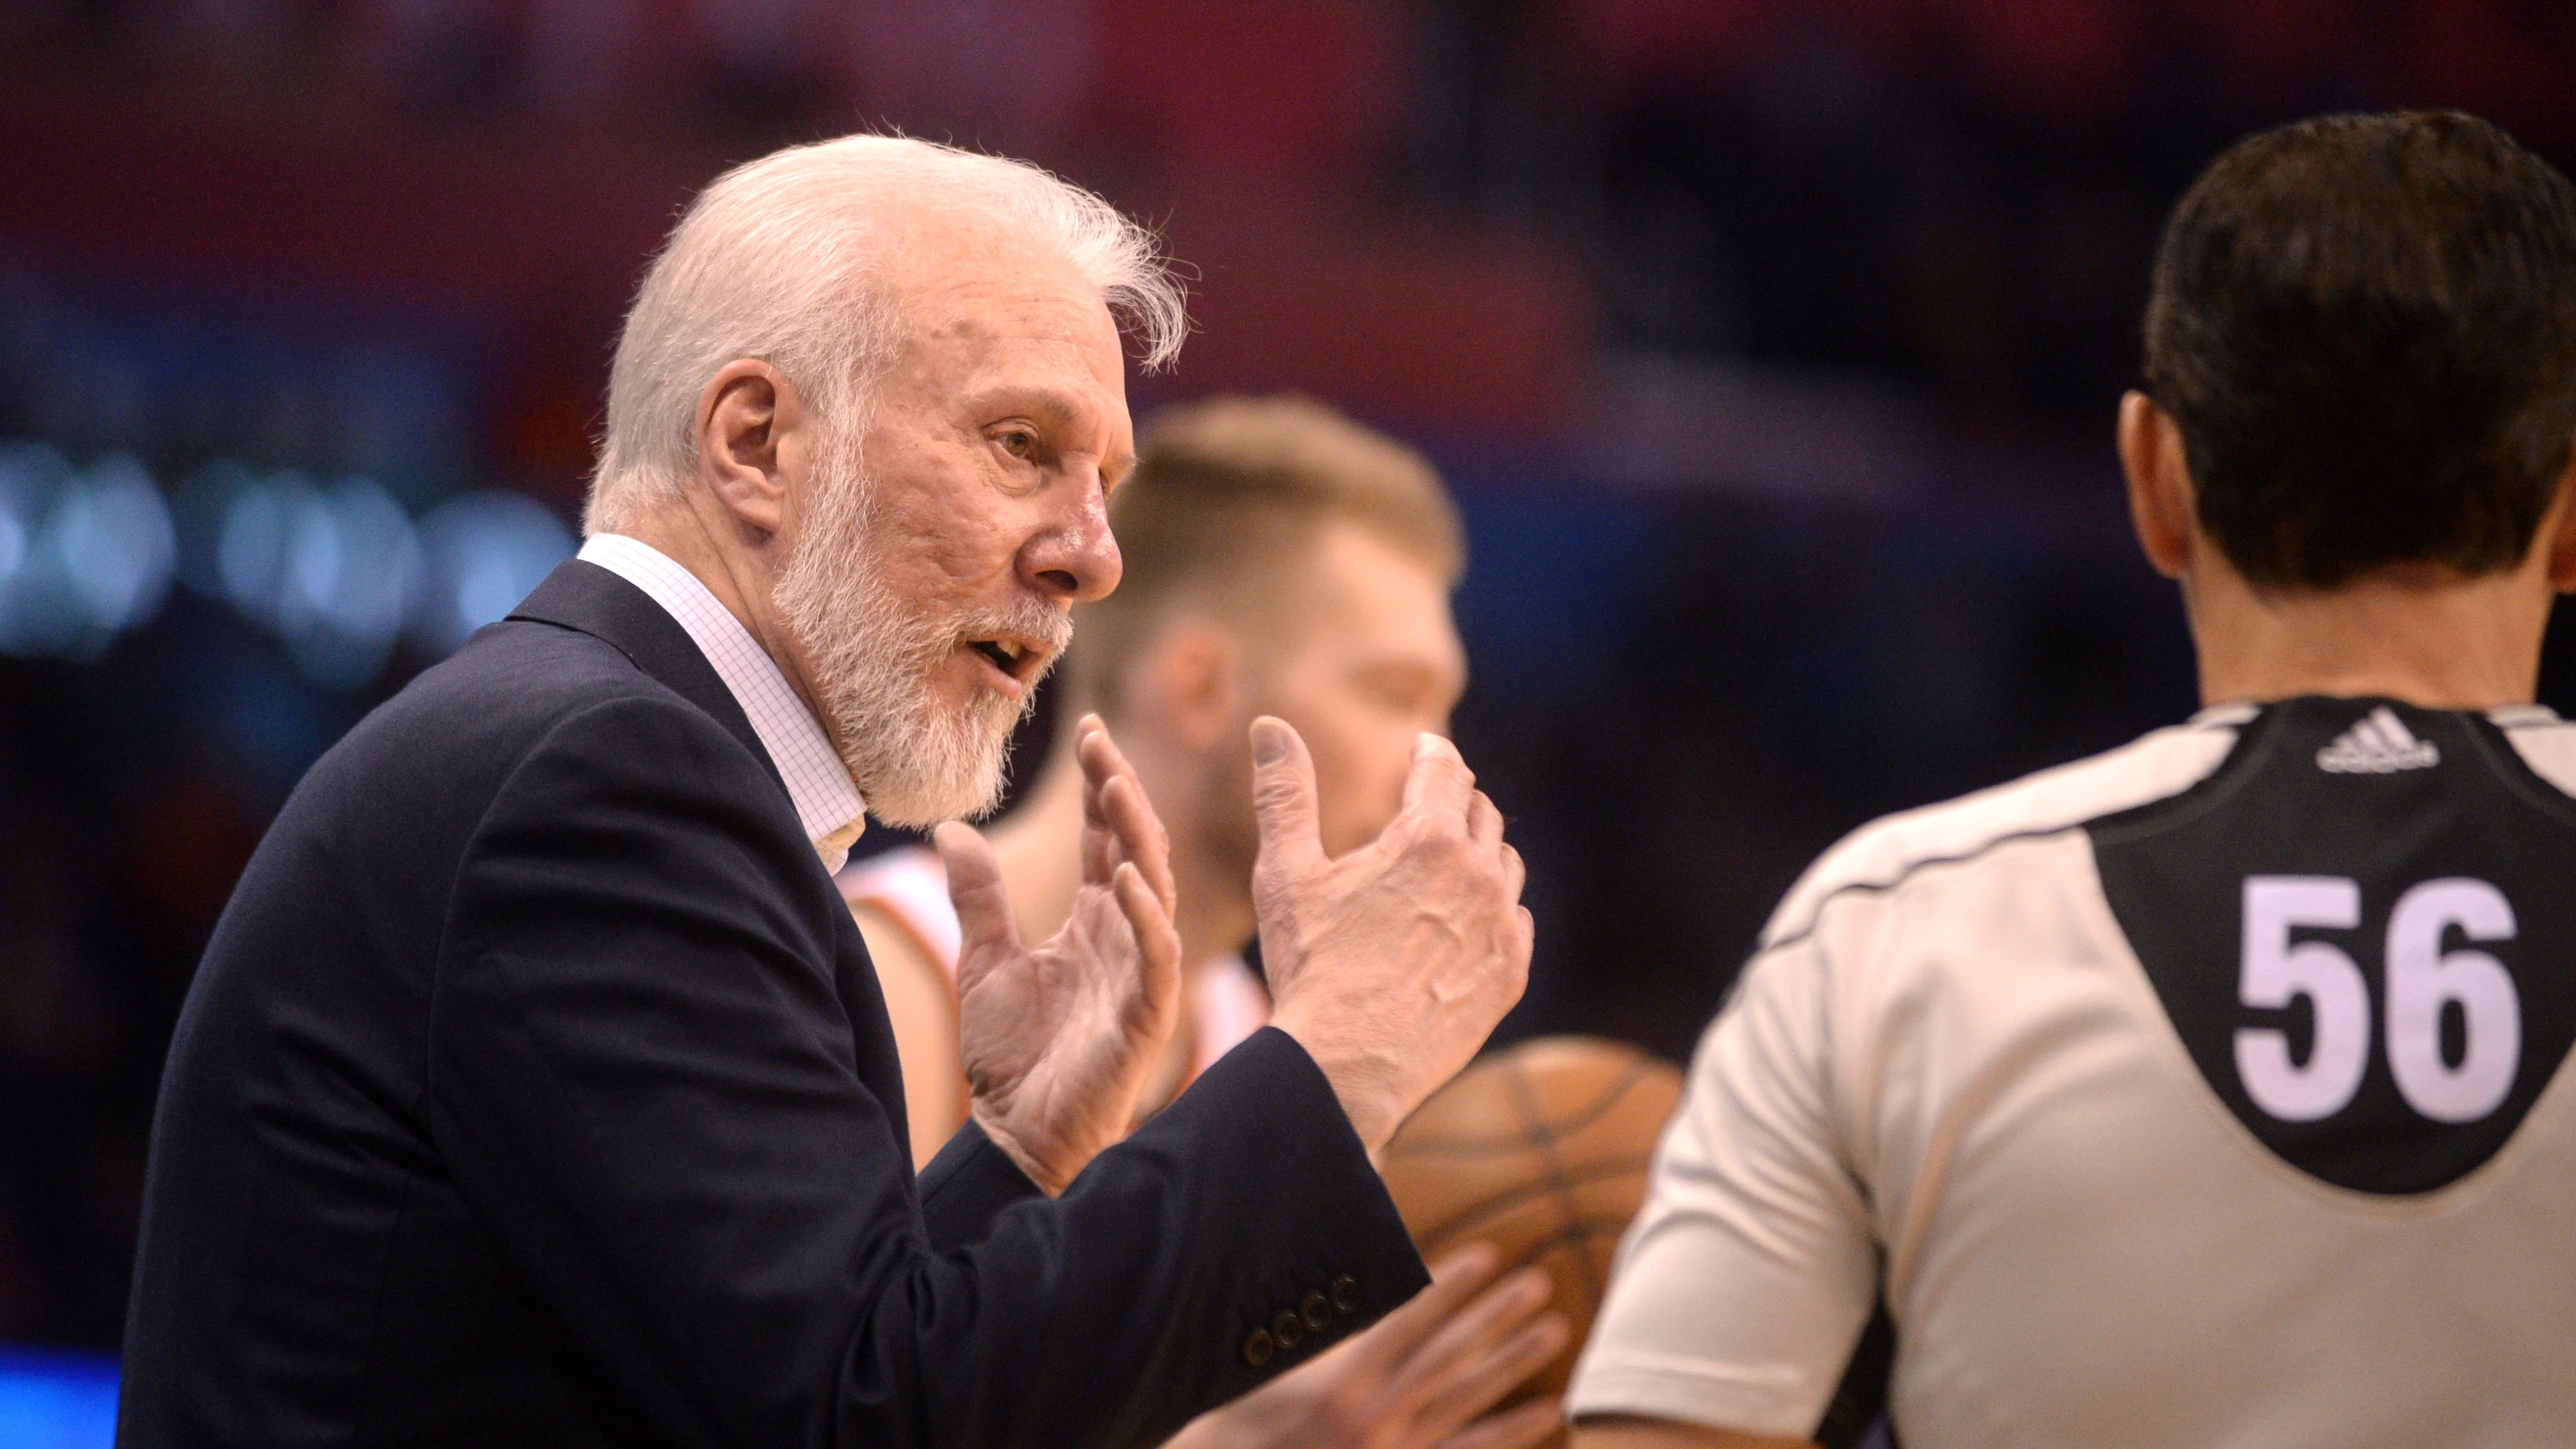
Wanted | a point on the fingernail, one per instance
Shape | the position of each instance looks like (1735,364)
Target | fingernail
(1269,742)
(1425,745)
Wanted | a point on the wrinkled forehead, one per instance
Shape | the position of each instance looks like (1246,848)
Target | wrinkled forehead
(991,323)
(969,283)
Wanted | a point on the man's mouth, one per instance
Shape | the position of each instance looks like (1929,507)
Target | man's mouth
(1016,659)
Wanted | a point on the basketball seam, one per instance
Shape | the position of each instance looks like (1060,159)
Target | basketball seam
(1543,1139)
(1589,1174)
(1470,1147)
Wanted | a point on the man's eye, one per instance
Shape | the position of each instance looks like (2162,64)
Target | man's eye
(1018,442)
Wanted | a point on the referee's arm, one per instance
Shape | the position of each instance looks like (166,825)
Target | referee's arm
(1746,1282)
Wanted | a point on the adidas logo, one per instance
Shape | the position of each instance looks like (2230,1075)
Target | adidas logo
(2380,744)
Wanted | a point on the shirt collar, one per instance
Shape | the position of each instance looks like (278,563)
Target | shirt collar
(2507,716)
(828,805)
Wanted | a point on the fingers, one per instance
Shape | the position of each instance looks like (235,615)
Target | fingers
(1464,1269)
(1099,845)
(1116,813)
(1484,822)
(1440,782)
(1524,1426)
(1157,942)
(975,888)
(1485,828)
(1283,798)
(1470,1339)
(1454,1280)
(1141,837)
(1480,1382)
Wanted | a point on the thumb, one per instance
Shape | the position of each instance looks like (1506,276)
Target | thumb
(975,888)
(1283,798)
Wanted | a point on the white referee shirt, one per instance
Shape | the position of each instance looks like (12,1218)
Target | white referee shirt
(827,802)
(2209,1092)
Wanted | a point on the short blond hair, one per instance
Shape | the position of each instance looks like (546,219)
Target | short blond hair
(1227,495)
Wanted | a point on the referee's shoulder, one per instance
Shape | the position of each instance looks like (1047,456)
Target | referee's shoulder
(2546,742)
(1883,855)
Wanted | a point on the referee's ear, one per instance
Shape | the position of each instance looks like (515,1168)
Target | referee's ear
(2558,529)
(2160,494)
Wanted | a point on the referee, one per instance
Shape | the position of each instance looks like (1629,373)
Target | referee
(2212,1091)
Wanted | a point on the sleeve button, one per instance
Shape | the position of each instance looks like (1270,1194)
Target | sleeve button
(1287,1328)
(1258,1347)
(1315,1311)
(1346,1294)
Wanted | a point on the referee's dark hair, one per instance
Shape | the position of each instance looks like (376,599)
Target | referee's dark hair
(2364,327)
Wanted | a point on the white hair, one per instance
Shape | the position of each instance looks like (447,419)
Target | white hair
(778,260)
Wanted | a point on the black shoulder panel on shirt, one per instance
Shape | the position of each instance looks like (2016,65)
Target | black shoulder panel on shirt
(2363,928)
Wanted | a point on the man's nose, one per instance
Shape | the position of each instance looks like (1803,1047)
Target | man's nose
(1074,560)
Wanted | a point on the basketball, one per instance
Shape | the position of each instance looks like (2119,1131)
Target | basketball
(1540,1149)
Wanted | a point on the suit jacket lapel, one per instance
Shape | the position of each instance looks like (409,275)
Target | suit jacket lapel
(586,597)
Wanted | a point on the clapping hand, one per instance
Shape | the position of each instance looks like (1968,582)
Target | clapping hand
(1391,964)
(1057,1039)
(1418,1379)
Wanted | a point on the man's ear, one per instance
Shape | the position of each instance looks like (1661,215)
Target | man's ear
(750,435)
(2558,530)
(2160,492)
(1192,679)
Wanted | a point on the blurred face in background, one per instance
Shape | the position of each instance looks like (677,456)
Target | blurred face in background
(1361,655)
(953,523)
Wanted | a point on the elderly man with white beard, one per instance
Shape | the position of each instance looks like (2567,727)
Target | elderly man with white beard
(536,1087)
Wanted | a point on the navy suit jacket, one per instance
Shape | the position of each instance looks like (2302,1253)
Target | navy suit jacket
(536,1089)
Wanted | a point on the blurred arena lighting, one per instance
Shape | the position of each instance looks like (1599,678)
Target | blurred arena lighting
(484,551)
(337,572)
(84,556)
(340,574)
(51,1400)
(331,571)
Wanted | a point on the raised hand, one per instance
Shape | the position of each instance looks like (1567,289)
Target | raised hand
(1057,1040)
(1418,1379)
(1392,964)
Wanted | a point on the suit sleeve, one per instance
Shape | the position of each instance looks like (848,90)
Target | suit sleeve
(966,1185)
(645,1083)
(1743,1286)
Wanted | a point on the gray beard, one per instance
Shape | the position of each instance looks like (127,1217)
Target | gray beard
(916,761)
